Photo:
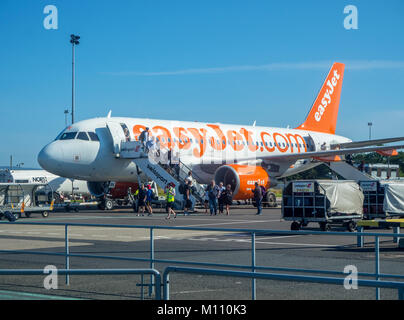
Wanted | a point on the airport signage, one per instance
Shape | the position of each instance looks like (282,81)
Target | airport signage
(303,186)
(369,186)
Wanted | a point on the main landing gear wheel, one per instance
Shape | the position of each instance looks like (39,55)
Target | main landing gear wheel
(295,226)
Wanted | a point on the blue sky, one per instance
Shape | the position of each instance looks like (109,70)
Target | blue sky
(219,61)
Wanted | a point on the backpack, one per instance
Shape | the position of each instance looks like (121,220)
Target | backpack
(181,189)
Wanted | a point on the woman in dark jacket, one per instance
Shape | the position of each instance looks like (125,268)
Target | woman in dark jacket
(227,196)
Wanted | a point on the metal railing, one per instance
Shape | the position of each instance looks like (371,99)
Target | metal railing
(151,260)
(30,272)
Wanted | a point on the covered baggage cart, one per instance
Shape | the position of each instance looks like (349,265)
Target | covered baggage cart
(26,198)
(326,202)
(383,199)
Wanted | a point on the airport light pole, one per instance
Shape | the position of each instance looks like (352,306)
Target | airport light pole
(370,130)
(74,40)
(66,113)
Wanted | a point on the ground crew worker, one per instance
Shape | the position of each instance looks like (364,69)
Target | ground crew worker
(170,197)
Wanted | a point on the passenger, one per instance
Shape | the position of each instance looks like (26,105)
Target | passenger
(141,202)
(258,197)
(170,197)
(227,196)
(187,197)
(189,177)
(206,200)
(213,191)
(144,137)
(220,198)
(149,198)
(362,166)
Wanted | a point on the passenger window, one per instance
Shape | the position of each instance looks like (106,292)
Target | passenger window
(93,136)
(68,136)
(82,136)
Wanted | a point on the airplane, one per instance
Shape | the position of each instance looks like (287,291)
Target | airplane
(236,154)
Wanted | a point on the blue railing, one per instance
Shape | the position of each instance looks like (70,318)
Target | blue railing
(151,260)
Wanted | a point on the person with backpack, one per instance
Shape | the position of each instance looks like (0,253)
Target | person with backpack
(141,200)
(170,197)
(258,197)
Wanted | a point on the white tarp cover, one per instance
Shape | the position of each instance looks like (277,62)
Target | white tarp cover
(393,197)
(345,196)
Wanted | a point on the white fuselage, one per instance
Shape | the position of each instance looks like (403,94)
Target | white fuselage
(202,146)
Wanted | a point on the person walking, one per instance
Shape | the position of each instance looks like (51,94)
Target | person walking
(220,197)
(258,197)
(213,191)
(144,137)
(227,196)
(149,198)
(141,200)
(187,197)
(170,197)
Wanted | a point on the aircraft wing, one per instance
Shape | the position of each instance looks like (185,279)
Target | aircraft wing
(326,153)
(365,143)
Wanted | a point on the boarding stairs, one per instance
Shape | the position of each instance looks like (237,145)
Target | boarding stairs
(156,167)
(348,171)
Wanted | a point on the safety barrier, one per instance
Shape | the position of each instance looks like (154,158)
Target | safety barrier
(279,277)
(30,272)
(252,232)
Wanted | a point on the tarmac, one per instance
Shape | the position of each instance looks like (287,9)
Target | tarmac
(321,252)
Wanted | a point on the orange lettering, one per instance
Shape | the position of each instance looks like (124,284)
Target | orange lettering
(184,142)
(235,137)
(201,138)
(280,148)
(266,144)
(164,137)
(247,134)
(221,143)
(137,130)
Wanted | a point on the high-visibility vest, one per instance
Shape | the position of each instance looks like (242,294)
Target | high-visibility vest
(170,195)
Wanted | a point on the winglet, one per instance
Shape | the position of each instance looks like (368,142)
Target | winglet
(324,112)
(109,114)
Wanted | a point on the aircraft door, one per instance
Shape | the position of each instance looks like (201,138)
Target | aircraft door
(118,135)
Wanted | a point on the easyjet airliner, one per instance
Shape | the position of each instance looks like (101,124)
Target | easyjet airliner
(236,154)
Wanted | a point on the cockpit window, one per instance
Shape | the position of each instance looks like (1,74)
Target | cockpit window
(68,135)
(82,136)
(93,136)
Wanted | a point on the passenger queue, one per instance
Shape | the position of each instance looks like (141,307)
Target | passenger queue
(217,200)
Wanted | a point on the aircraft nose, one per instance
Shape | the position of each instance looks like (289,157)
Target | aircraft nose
(49,158)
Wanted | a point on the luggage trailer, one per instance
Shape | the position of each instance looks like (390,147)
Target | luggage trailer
(26,198)
(323,202)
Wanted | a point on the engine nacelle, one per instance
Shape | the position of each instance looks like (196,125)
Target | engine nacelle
(98,189)
(242,179)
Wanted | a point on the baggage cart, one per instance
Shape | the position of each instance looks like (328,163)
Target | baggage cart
(383,199)
(326,202)
(26,198)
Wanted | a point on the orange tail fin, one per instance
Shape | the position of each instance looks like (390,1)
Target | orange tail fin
(324,112)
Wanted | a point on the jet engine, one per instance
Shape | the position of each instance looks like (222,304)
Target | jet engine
(242,179)
(98,189)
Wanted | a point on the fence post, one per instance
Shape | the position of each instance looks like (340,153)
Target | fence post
(151,260)
(359,239)
(67,258)
(377,266)
(253,281)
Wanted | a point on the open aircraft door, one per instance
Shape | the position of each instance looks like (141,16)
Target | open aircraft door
(118,135)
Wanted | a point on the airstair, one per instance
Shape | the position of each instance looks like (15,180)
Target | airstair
(348,171)
(155,165)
